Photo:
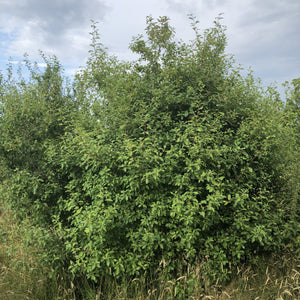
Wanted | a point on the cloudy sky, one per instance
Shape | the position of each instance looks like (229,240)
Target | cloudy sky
(262,34)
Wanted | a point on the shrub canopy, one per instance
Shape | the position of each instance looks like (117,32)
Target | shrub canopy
(153,165)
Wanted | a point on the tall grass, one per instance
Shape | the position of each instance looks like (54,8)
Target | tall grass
(23,276)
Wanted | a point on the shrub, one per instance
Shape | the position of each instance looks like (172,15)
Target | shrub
(157,164)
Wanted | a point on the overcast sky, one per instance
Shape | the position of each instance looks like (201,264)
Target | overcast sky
(262,34)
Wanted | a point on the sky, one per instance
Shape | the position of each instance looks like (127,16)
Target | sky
(262,34)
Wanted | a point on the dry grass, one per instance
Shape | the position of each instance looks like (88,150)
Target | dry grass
(276,278)
(273,277)
(21,275)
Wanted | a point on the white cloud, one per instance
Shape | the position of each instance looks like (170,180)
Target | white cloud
(55,26)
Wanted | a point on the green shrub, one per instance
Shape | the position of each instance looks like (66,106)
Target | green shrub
(154,165)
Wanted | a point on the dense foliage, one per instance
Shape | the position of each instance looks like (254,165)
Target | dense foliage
(155,165)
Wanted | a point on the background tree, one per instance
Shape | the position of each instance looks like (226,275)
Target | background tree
(36,114)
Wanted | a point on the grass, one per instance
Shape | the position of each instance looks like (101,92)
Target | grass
(272,277)
(18,267)
(23,276)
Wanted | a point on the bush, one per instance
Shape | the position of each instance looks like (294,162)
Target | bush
(154,165)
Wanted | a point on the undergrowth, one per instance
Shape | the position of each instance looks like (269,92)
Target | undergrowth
(24,276)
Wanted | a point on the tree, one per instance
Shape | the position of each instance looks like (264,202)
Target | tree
(36,114)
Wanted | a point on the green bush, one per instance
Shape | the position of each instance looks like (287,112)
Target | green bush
(153,165)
